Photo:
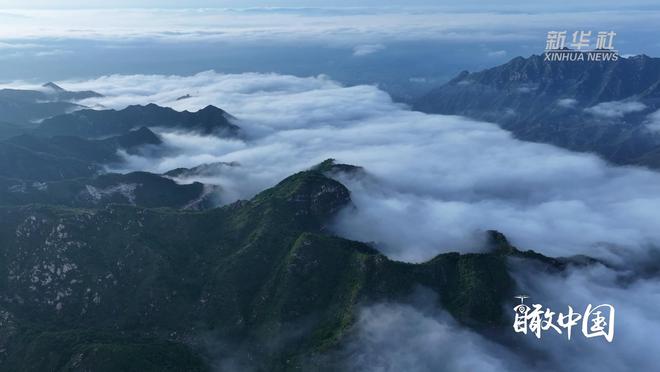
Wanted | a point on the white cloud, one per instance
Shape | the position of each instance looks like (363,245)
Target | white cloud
(497,54)
(615,109)
(567,102)
(419,80)
(395,337)
(4,45)
(418,337)
(636,324)
(436,181)
(653,121)
(343,26)
(366,49)
(22,50)
(53,52)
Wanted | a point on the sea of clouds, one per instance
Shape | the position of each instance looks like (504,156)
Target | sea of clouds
(433,184)
(418,337)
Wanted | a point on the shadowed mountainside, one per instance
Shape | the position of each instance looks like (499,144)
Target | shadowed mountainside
(101,123)
(23,108)
(601,107)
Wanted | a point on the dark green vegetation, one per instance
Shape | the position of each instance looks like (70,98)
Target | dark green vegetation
(134,289)
(546,101)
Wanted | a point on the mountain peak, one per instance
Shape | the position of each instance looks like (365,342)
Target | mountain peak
(54,87)
(561,103)
(331,166)
(497,242)
(143,107)
(95,123)
(212,109)
(309,195)
(139,137)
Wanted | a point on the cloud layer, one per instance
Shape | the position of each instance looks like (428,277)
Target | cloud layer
(615,109)
(435,182)
(418,337)
(338,25)
(366,49)
(396,337)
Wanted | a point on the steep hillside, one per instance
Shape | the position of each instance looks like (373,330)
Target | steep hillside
(602,107)
(145,289)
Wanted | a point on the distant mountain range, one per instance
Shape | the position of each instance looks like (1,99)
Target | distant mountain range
(70,171)
(23,108)
(56,92)
(101,123)
(63,160)
(137,188)
(54,158)
(609,108)
(51,112)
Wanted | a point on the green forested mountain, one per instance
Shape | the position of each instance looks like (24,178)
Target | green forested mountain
(128,288)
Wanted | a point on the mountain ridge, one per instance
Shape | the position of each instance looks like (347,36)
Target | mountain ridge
(30,157)
(598,107)
(245,273)
(88,123)
(24,108)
